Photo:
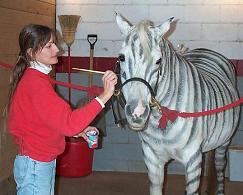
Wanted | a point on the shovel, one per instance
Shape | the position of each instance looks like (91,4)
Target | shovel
(99,121)
(92,39)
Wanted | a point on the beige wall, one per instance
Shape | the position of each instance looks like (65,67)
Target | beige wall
(14,15)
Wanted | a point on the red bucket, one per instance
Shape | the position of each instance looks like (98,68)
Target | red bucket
(77,159)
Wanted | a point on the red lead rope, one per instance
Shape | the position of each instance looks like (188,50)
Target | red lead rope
(91,91)
(171,115)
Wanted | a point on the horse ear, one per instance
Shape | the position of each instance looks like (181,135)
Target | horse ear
(163,28)
(124,25)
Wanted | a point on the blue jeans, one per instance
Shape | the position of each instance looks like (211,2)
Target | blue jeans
(34,177)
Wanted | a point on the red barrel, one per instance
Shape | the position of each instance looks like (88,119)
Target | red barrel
(77,159)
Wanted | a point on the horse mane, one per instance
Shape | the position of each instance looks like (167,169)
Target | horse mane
(145,37)
(142,29)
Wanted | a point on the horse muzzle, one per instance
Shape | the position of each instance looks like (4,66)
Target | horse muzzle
(137,116)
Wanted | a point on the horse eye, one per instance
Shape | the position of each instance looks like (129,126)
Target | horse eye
(124,75)
(158,61)
(121,57)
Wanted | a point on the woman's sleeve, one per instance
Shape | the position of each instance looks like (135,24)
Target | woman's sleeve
(56,114)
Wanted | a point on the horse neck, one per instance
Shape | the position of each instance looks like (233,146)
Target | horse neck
(175,76)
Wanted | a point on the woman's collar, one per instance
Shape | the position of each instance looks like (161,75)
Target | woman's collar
(46,69)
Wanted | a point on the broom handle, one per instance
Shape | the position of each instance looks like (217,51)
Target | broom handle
(69,74)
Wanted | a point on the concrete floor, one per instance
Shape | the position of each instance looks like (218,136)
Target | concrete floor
(120,183)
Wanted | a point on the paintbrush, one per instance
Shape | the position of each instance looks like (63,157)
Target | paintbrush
(90,71)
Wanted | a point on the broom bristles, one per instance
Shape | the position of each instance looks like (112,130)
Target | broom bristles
(69,25)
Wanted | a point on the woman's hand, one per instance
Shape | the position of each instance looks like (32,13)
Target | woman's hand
(90,135)
(109,81)
(87,129)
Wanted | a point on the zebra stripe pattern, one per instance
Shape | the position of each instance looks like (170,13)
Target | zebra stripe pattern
(197,80)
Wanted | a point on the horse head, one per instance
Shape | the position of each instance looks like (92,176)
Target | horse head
(140,65)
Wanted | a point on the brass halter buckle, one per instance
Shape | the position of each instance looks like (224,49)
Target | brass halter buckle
(155,103)
(117,92)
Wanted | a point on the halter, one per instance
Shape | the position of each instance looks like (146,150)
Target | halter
(121,100)
(152,92)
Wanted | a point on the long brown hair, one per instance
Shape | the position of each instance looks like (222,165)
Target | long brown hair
(34,37)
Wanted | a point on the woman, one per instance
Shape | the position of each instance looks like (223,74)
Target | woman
(38,118)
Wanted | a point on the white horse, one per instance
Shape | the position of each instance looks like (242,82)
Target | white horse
(197,80)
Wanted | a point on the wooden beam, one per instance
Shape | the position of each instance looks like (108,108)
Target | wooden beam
(30,6)
(8,58)
(22,18)
(14,15)
(4,84)
(9,47)
(9,31)
(53,2)
(211,177)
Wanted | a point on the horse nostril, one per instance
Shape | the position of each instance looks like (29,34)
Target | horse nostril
(139,110)
(136,112)
(128,110)
(137,120)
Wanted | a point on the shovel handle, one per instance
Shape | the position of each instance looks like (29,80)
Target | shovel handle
(92,39)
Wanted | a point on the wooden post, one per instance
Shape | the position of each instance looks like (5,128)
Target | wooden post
(211,173)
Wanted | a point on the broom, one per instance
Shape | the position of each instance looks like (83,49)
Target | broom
(69,25)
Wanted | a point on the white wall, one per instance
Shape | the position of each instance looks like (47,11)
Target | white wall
(215,24)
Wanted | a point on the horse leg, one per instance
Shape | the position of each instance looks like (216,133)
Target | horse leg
(220,163)
(193,173)
(156,177)
(155,170)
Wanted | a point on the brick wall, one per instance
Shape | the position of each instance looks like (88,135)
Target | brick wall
(215,24)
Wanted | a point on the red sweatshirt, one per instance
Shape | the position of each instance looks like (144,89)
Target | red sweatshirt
(39,119)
